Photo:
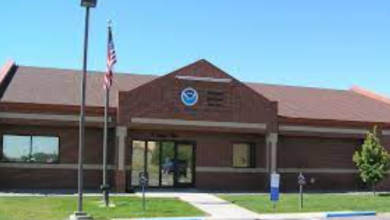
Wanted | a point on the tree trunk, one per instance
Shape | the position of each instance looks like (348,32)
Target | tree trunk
(373,189)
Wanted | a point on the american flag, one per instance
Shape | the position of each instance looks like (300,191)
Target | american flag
(111,60)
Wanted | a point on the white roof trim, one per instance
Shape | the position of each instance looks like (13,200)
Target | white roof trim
(205,79)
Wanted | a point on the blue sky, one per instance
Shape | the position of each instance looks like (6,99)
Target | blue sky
(322,43)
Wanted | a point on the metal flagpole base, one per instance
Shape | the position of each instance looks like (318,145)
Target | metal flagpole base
(80,216)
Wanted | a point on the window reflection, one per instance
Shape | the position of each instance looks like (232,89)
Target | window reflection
(45,149)
(16,148)
(30,149)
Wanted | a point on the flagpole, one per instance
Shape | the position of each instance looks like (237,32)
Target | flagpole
(105,186)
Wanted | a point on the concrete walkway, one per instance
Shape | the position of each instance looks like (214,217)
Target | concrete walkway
(215,207)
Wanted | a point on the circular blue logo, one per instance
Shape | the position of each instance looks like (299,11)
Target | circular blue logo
(189,96)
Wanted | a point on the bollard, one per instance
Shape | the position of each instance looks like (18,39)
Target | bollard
(106,195)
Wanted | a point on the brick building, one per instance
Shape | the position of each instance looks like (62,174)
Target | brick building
(196,127)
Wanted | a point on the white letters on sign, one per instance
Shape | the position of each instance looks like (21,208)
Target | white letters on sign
(275,180)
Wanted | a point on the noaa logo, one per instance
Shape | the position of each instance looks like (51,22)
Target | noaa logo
(189,96)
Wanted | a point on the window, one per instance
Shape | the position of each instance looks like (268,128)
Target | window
(243,155)
(30,149)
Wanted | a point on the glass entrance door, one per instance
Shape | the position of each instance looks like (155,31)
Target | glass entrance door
(168,163)
(184,164)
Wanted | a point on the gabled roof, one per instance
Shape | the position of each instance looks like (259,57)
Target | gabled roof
(61,87)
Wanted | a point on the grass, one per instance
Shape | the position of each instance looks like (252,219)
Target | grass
(289,203)
(60,208)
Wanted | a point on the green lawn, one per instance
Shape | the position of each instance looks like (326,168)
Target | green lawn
(59,208)
(312,203)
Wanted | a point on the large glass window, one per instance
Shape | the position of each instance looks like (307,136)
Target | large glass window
(153,164)
(16,148)
(138,158)
(30,149)
(243,155)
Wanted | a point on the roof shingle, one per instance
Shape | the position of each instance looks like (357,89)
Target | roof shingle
(61,87)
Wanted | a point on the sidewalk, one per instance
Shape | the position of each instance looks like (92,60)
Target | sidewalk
(219,209)
(215,207)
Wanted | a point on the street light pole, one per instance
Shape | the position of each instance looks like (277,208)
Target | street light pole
(82,116)
(80,214)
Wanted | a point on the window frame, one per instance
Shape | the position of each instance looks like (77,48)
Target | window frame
(251,155)
(31,136)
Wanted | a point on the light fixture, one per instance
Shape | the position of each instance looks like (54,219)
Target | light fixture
(89,3)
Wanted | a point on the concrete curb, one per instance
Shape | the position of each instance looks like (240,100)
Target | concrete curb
(349,214)
(315,215)
(320,215)
(308,215)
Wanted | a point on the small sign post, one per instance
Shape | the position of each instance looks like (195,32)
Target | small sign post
(301,183)
(274,194)
(143,182)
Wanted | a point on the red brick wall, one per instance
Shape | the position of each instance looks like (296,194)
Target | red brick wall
(330,181)
(322,153)
(232,181)
(316,152)
(385,184)
(322,181)
(58,178)
(218,152)
(215,150)
(161,99)
(49,179)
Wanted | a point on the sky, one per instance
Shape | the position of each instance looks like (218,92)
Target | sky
(316,43)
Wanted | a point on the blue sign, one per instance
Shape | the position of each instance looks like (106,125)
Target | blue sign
(189,96)
(274,194)
(275,182)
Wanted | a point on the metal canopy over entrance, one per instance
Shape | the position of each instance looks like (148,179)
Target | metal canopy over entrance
(168,163)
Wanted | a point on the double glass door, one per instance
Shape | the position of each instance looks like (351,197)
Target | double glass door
(168,163)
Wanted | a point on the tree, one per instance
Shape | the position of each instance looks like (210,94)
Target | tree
(372,160)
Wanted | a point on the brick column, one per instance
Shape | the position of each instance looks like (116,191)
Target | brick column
(120,173)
